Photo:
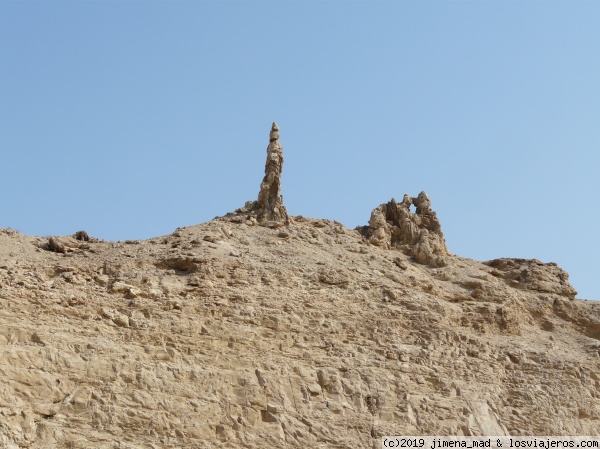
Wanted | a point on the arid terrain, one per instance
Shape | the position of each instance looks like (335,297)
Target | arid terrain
(260,330)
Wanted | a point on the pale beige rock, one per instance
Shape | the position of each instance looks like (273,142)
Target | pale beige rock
(417,234)
(129,290)
(309,339)
(269,206)
(65,244)
(531,274)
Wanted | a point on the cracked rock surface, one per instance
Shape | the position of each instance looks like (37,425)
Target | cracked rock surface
(231,334)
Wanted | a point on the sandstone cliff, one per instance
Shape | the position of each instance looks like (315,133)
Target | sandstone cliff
(301,334)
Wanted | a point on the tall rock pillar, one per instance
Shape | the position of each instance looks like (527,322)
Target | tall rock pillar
(269,207)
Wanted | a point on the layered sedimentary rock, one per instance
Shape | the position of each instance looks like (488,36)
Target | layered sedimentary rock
(418,234)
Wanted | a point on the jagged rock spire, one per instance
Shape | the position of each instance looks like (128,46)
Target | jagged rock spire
(418,234)
(269,207)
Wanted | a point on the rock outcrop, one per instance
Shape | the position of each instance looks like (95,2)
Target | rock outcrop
(418,234)
(268,210)
(531,274)
(269,207)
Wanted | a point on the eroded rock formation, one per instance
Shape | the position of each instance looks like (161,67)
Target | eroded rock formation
(531,274)
(418,234)
(269,208)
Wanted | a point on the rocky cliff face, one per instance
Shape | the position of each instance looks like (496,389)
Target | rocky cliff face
(305,334)
(228,334)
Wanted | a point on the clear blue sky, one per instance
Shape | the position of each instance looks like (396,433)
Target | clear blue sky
(130,119)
